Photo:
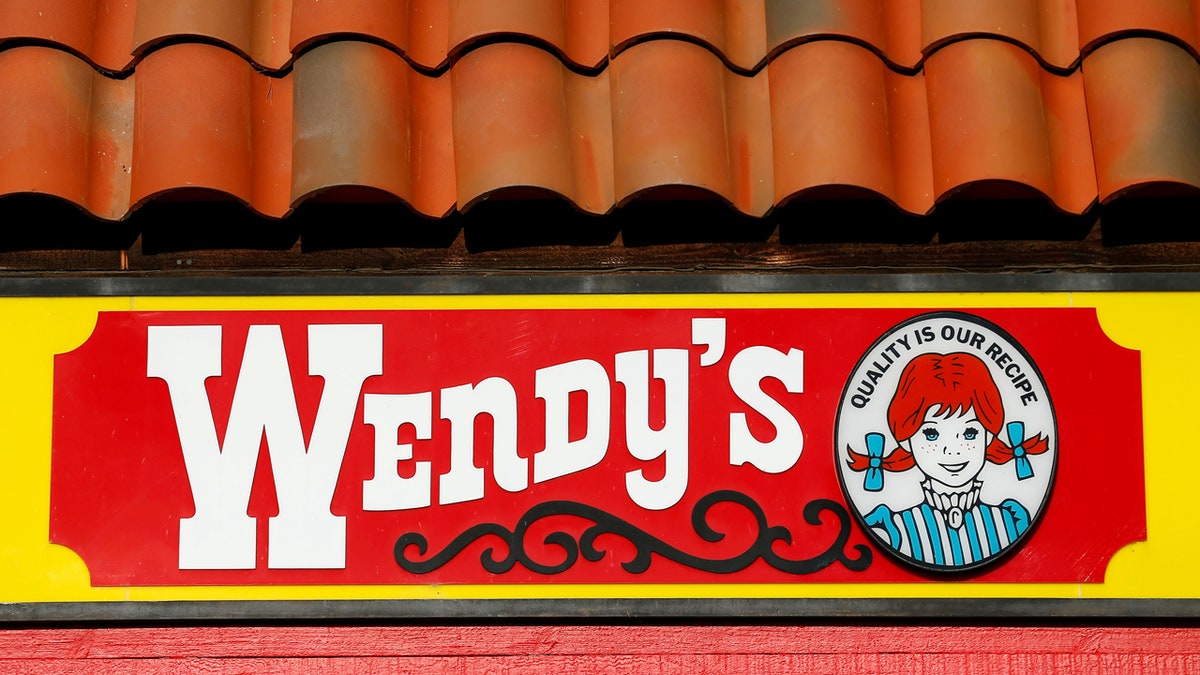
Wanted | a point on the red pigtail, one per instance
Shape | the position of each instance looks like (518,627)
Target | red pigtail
(999,453)
(899,460)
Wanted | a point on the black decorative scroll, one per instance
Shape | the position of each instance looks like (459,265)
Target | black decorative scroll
(645,543)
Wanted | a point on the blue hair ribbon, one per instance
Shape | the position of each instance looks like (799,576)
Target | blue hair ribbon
(873,482)
(1016,436)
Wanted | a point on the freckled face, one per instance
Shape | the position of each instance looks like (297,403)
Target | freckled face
(950,448)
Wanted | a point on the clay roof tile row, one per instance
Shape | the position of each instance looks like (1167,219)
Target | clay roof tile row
(823,118)
(114,34)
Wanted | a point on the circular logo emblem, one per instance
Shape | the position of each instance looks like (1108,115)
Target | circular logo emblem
(946,442)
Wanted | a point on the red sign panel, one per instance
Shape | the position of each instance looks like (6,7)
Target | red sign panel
(593,446)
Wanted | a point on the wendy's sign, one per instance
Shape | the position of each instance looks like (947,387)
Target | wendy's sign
(597,446)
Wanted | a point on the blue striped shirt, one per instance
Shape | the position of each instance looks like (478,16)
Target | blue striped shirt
(923,533)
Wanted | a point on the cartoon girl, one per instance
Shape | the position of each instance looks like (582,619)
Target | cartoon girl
(947,417)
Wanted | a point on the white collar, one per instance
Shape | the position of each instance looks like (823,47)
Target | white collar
(952,505)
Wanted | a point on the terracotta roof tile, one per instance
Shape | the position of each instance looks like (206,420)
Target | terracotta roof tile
(1103,20)
(101,32)
(65,130)
(843,118)
(892,29)
(681,118)
(363,117)
(387,21)
(192,123)
(596,101)
(1047,28)
(1144,104)
(586,33)
(521,119)
(736,30)
(996,115)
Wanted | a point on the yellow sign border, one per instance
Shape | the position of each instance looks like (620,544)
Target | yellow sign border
(1158,324)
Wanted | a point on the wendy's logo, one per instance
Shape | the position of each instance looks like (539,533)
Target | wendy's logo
(946,442)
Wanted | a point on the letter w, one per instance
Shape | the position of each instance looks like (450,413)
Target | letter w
(305,534)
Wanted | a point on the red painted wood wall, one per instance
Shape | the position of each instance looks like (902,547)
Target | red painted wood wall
(579,650)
